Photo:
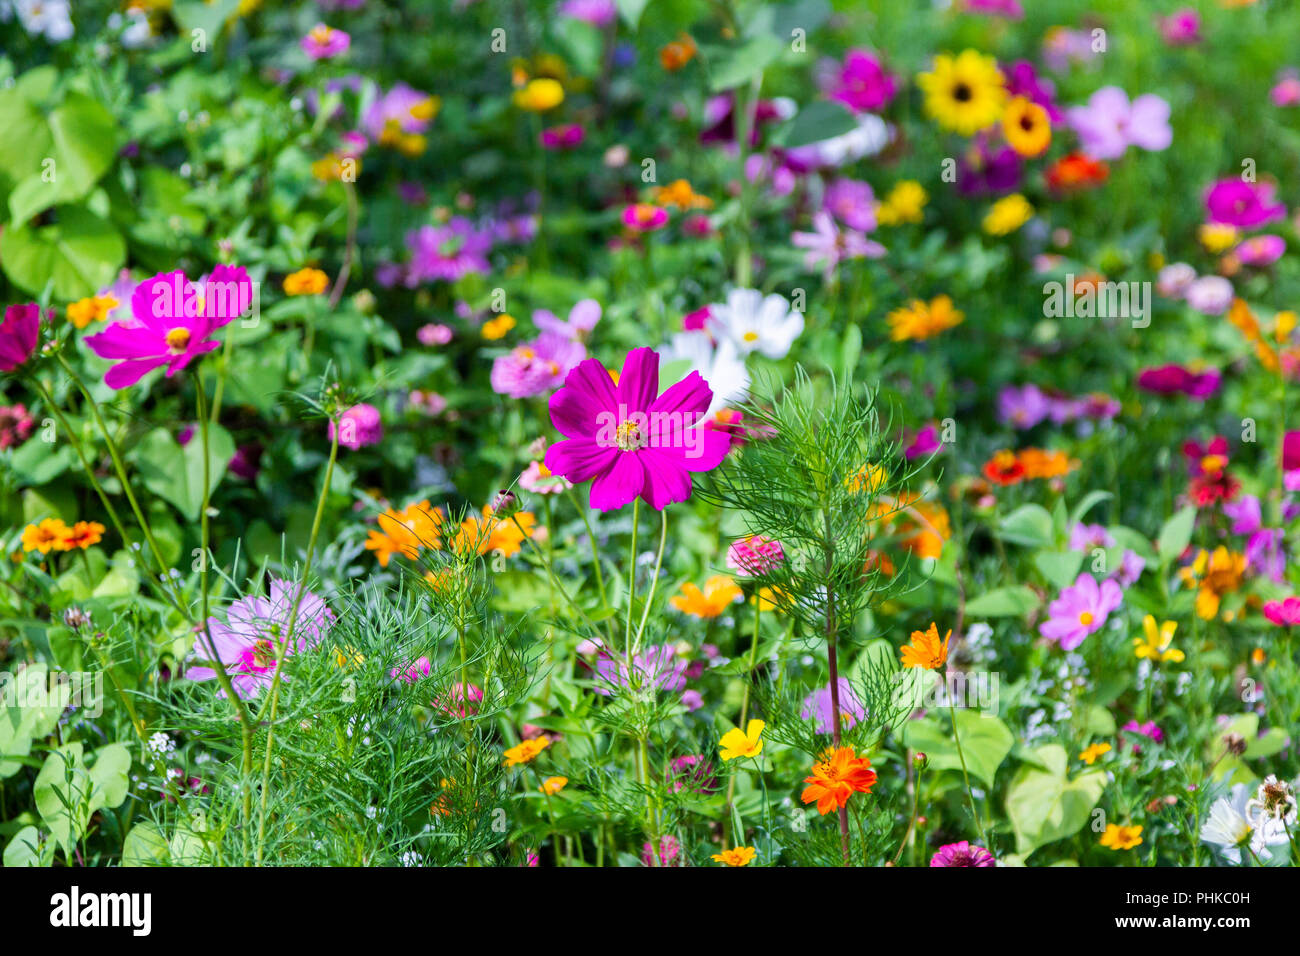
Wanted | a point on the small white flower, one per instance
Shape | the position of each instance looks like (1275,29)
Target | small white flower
(1229,827)
(752,321)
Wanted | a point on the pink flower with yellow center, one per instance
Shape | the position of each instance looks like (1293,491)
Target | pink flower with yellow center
(323,42)
(644,217)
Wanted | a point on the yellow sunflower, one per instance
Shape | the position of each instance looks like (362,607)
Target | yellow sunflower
(964,93)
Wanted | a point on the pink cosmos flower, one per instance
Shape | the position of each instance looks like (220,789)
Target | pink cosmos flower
(411,672)
(817,706)
(1148,730)
(756,554)
(402,110)
(1008,9)
(1171,379)
(457,702)
(323,42)
(853,203)
(537,366)
(535,480)
(923,444)
(359,426)
(862,84)
(171,323)
(583,317)
(962,854)
(434,334)
(1209,295)
(655,668)
(18,334)
(1081,610)
(644,217)
(1284,613)
(255,634)
(670,851)
(693,772)
(1287,90)
(1235,202)
(1260,251)
(828,245)
(16,423)
(1109,124)
(697,320)
(629,440)
(447,252)
(1180,28)
(599,13)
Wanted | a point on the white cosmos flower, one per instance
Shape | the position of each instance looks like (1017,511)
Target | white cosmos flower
(720,366)
(1229,826)
(755,322)
(48,18)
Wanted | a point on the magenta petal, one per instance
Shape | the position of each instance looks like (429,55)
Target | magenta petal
(638,383)
(620,484)
(126,342)
(666,481)
(126,374)
(689,398)
(588,391)
(579,459)
(158,293)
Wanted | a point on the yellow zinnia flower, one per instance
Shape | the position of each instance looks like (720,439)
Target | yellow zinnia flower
(903,204)
(526,751)
(1093,751)
(497,328)
(306,282)
(1007,215)
(1121,838)
(553,785)
(540,95)
(740,856)
(920,320)
(45,536)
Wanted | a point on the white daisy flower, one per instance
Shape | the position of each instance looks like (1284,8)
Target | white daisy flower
(754,322)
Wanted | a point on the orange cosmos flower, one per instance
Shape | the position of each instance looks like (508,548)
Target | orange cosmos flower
(677,54)
(926,650)
(306,282)
(719,592)
(836,777)
(680,194)
(526,752)
(494,533)
(930,521)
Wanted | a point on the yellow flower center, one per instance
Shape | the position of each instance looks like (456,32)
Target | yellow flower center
(1086,618)
(178,340)
(629,437)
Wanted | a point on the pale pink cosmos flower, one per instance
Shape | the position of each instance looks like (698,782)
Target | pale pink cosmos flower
(359,426)
(756,554)
(412,672)
(539,481)
(323,42)
(1080,611)
(1109,124)
(537,366)
(829,245)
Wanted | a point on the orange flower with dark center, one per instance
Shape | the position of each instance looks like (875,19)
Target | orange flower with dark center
(836,777)
(1004,468)
(1074,172)
(82,535)
(926,650)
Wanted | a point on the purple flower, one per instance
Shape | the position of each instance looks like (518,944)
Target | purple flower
(434,334)
(1180,28)
(257,632)
(1148,730)
(447,252)
(817,706)
(1235,202)
(862,84)
(1081,610)
(1086,537)
(1023,407)
(537,366)
(981,171)
(1245,514)
(1109,124)
(656,668)
(16,423)
(691,772)
(599,13)
(582,319)
(852,202)
(565,136)
(1023,80)
(323,43)
(828,245)
(1264,554)
(1261,251)
(403,110)
(1131,566)
(412,672)
(359,426)
(962,854)
(18,334)
(923,444)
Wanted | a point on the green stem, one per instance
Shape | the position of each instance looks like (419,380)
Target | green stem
(970,797)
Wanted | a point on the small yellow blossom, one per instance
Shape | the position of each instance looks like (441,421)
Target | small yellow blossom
(735,743)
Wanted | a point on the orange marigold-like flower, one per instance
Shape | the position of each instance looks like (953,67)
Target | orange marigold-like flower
(82,535)
(1046,464)
(926,650)
(836,777)
(719,593)
(526,752)
(675,55)
(492,532)
(1004,468)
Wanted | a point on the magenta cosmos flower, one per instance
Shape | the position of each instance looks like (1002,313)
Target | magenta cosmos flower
(256,632)
(1110,124)
(754,555)
(171,323)
(644,217)
(323,42)
(359,426)
(1081,610)
(1284,613)
(18,334)
(1235,202)
(564,136)
(962,854)
(629,440)
(1171,379)
(862,84)
(447,252)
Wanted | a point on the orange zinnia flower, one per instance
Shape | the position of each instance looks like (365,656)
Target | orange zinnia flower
(926,650)
(1076,171)
(836,777)
(1046,464)
(1004,468)
(719,592)
(82,535)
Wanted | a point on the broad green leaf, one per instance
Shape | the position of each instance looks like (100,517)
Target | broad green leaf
(1059,567)
(985,743)
(1003,602)
(820,120)
(1028,525)
(80,252)
(29,847)
(1175,535)
(175,473)
(1045,804)
(145,845)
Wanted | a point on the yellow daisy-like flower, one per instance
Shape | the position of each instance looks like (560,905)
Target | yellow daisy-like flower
(45,536)
(348,658)
(1155,647)
(94,309)
(1007,215)
(735,744)
(526,752)
(540,95)
(719,593)
(1027,127)
(903,204)
(306,282)
(1217,237)
(1121,838)
(740,856)
(680,194)
(919,320)
(494,329)
(964,93)
(1092,752)
(553,785)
